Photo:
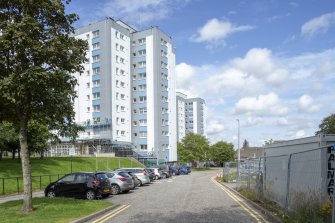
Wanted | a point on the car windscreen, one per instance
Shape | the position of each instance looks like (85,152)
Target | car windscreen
(102,176)
(110,175)
(124,174)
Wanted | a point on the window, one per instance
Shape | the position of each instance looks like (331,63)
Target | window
(122,72)
(142,87)
(135,134)
(117,71)
(96,95)
(142,75)
(95,33)
(88,84)
(122,120)
(96,108)
(134,111)
(134,100)
(116,34)
(122,133)
(96,46)
(143,122)
(134,54)
(141,41)
(96,58)
(134,77)
(134,66)
(143,98)
(117,108)
(141,52)
(96,70)
(123,109)
(88,97)
(117,121)
(123,96)
(96,120)
(143,134)
(117,95)
(122,84)
(87,36)
(142,64)
(117,59)
(122,48)
(121,36)
(117,46)
(135,123)
(134,88)
(143,110)
(117,84)
(88,109)
(88,73)
(144,147)
(122,60)
(68,178)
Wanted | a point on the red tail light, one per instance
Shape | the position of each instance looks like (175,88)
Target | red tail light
(122,179)
(96,182)
(143,171)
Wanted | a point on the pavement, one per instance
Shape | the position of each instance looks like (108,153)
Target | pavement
(4,199)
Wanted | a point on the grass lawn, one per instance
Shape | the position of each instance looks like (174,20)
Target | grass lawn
(50,210)
(49,169)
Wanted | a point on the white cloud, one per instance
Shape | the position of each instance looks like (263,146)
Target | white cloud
(215,31)
(306,103)
(140,12)
(184,73)
(253,121)
(319,24)
(214,127)
(266,105)
(300,133)
(283,121)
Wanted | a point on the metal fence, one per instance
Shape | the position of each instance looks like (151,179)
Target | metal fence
(11,185)
(290,180)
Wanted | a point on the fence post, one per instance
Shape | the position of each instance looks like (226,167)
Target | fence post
(17,185)
(3,185)
(249,165)
(288,184)
(40,182)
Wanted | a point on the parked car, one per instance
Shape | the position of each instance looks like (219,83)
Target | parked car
(174,170)
(135,179)
(87,185)
(165,169)
(183,170)
(150,173)
(139,172)
(121,182)
(157,172)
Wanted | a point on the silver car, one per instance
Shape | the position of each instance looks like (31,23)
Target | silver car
(139,172)
(120,182)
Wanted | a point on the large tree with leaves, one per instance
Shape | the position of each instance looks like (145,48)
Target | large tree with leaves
(37,56)
(327,125)
(222,152)
(193,147)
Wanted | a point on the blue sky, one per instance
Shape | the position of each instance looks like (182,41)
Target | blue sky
(268,63)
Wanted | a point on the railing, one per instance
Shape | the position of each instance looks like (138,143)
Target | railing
(10,185)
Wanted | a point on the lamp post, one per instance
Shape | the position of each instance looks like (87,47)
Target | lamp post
(238,153)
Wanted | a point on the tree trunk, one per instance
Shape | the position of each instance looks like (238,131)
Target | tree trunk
(1,154)
(13,153)
(27,184)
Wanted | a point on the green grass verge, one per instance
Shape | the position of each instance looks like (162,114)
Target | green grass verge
(50,210)
(50,169)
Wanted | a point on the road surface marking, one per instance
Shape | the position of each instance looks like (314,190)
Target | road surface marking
(111,214)
(247,208)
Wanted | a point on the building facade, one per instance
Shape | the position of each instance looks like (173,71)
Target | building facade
(190,116)
(127,89)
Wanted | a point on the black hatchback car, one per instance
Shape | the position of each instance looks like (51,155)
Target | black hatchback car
(80,185)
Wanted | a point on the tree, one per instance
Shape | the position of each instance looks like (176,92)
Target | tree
(245,144)
(38,137)
(193,147)
(9,140)
(327,126)
(37,56)
(222,152)
(268,142)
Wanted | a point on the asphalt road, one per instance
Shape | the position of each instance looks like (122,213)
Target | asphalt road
(186,198)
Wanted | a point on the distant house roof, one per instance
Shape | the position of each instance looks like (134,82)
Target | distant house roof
(250,152)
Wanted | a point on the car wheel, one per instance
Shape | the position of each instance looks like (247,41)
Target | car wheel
(156,177)
(115,189)
(90,195)
(105,195)
(51,194)
(140,182)
(163,175)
